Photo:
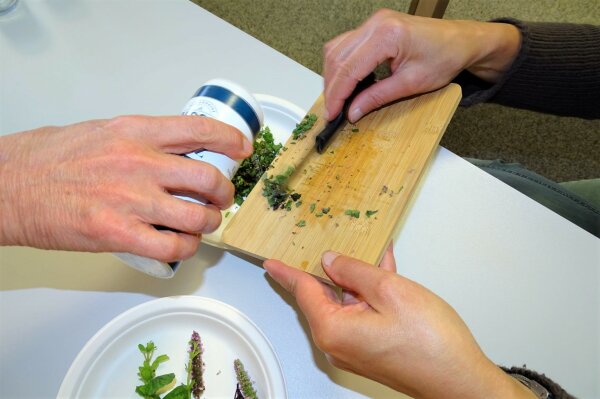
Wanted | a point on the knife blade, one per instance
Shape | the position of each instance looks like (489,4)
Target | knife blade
(324,137)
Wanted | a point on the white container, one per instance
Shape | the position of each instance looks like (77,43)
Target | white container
(227,102)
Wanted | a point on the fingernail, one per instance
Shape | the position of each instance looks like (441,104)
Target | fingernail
(328,258)
(355,114)
(248,147)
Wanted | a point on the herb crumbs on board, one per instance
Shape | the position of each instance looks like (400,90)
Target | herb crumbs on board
(275,189)
(371,213)
(304,126)
(301,223)
(352,213)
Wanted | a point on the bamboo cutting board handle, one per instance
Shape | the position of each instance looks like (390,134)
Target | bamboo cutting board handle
(372,167)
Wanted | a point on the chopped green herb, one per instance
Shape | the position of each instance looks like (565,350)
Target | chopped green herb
(301,223)
(371,213)
(253,167)
(275,189)
(298,203)
(227,214)
(288,205)
(312,207)
(318,214)
(354,129)
(352,213)
(304,126)
(325,210)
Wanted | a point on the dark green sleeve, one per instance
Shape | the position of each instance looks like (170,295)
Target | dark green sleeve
(557,71)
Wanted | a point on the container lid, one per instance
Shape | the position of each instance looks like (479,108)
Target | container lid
(236,97)
(149,266)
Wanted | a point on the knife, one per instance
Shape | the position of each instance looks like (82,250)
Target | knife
(333,126)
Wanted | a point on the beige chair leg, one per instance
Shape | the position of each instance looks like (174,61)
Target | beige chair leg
(428,8)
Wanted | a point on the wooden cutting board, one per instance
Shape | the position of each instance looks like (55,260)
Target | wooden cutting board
(373,166)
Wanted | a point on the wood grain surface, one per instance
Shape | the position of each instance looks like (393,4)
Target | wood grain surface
(373,166)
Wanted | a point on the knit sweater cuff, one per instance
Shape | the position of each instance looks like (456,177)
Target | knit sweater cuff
(475,90)
(552,387)
(556,71)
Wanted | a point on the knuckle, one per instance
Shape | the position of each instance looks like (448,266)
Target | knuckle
(123,123)
(207,131)
(329,52)
(382,13)
(105,226)
(375,98)
(194,218)
(170,249)
(348,69)
(209,178)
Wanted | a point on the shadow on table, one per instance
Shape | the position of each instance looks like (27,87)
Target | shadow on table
(22,268)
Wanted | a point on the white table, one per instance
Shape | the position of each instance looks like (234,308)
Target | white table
(525,280)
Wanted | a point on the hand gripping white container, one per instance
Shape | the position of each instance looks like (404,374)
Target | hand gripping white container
(227,102)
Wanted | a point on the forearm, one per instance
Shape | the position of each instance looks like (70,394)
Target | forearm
(9,218)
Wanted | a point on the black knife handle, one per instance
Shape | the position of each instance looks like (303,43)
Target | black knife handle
(332,126)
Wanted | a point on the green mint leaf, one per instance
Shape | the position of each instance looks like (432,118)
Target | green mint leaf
(146,374)
(155,384)
(180,392)
(160,359)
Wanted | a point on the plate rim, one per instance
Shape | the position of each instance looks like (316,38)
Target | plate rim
(280,104)
(114,328)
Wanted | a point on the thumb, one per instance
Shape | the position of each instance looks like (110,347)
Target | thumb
(357,276)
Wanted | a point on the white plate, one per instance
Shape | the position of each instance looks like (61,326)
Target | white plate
(107,365)
(281,117)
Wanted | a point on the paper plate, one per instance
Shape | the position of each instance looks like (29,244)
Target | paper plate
(107,365)
(281,117)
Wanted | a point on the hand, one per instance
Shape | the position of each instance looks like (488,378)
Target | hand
(101,185)
(424,54)
(394,331)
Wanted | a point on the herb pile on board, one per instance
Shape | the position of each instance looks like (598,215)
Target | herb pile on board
(253,167)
